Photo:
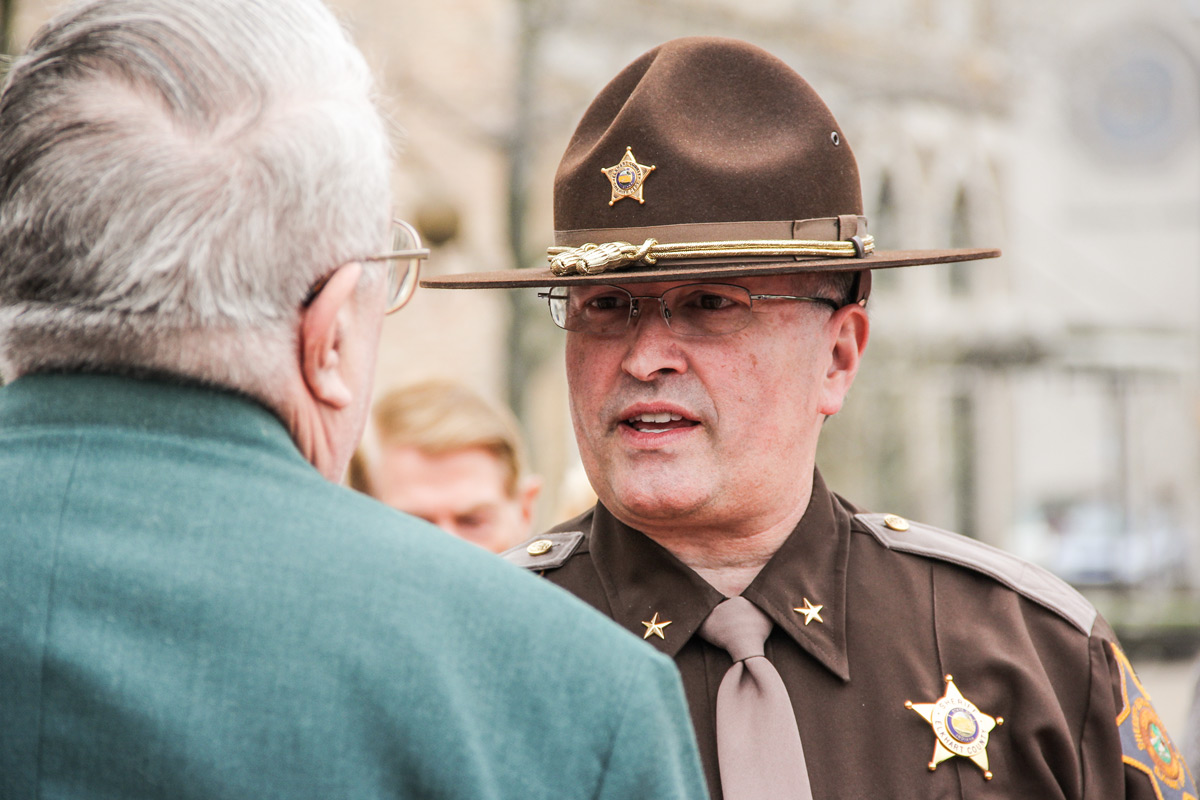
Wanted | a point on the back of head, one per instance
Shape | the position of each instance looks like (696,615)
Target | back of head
(439,417)
(174,176)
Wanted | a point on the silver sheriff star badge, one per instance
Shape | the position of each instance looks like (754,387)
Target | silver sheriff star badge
(961,728)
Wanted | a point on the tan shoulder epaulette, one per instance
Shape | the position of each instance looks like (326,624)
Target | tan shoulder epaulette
(546,551)
(1029,580)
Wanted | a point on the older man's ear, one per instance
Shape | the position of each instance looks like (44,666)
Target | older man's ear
(323,327)
(528,490)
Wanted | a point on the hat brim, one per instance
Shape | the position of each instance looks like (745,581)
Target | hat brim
(710,270)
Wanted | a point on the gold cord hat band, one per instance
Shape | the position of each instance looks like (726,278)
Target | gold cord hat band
(592,259)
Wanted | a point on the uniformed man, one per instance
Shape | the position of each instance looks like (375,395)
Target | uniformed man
(711,267)
(194,270)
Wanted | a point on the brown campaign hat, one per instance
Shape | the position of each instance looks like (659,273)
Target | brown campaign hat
(706,158)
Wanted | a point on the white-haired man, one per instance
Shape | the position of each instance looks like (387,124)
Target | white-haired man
(194,211)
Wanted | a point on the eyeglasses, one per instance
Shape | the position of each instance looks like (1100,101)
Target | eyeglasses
(404,267)
(694,309)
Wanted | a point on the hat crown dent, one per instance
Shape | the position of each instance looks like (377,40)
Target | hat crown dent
(735,134)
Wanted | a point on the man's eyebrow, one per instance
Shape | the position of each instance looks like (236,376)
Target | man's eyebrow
(478,508)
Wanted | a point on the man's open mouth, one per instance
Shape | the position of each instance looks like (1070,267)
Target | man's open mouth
(658,423)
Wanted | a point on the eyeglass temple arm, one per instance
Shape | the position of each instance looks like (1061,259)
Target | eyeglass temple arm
(825,301)
(420,254)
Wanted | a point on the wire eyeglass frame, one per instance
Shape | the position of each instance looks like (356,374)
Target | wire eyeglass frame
(693,321)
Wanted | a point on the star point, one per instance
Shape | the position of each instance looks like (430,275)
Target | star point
(655,628)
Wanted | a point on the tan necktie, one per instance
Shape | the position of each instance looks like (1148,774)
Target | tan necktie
(758,745)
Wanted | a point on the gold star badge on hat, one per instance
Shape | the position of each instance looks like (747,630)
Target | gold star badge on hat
(627,177)
(810,611)
(655,627)
(961,728)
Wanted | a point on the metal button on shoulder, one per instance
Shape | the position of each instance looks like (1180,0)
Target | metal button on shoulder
(895,523)
(540,547)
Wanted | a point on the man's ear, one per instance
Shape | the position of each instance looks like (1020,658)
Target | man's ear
(322,338)
(849,328)
(527,494)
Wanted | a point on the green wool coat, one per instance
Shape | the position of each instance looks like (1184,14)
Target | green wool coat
(189,610)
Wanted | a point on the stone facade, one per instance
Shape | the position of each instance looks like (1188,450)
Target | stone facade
(1046,401)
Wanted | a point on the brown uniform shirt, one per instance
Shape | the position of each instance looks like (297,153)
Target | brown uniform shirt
(899,610)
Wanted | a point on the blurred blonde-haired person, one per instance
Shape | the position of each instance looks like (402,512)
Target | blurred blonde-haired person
(439,451)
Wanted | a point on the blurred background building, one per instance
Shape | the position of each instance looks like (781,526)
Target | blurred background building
(1047,402)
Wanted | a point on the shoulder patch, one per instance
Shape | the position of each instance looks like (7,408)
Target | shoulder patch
(1145,744)
(547,551)
(1036,584)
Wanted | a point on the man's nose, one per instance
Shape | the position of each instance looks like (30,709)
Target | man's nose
(653,347)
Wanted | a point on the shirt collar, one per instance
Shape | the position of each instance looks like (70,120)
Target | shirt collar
(641,579)
(812,564)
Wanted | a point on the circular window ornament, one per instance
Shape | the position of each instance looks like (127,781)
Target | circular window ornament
(1133,96)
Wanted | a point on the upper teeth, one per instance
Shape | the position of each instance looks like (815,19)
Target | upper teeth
(662,417)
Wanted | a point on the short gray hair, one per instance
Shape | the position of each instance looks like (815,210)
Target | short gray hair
(174,176)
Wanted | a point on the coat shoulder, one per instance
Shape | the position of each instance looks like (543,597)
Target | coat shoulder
(1029,580)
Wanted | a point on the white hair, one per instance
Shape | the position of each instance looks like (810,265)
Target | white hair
(174,176)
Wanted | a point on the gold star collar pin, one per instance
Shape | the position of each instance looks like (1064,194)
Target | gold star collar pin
(627,177)
(810,612)
(654,627)
(961,728)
